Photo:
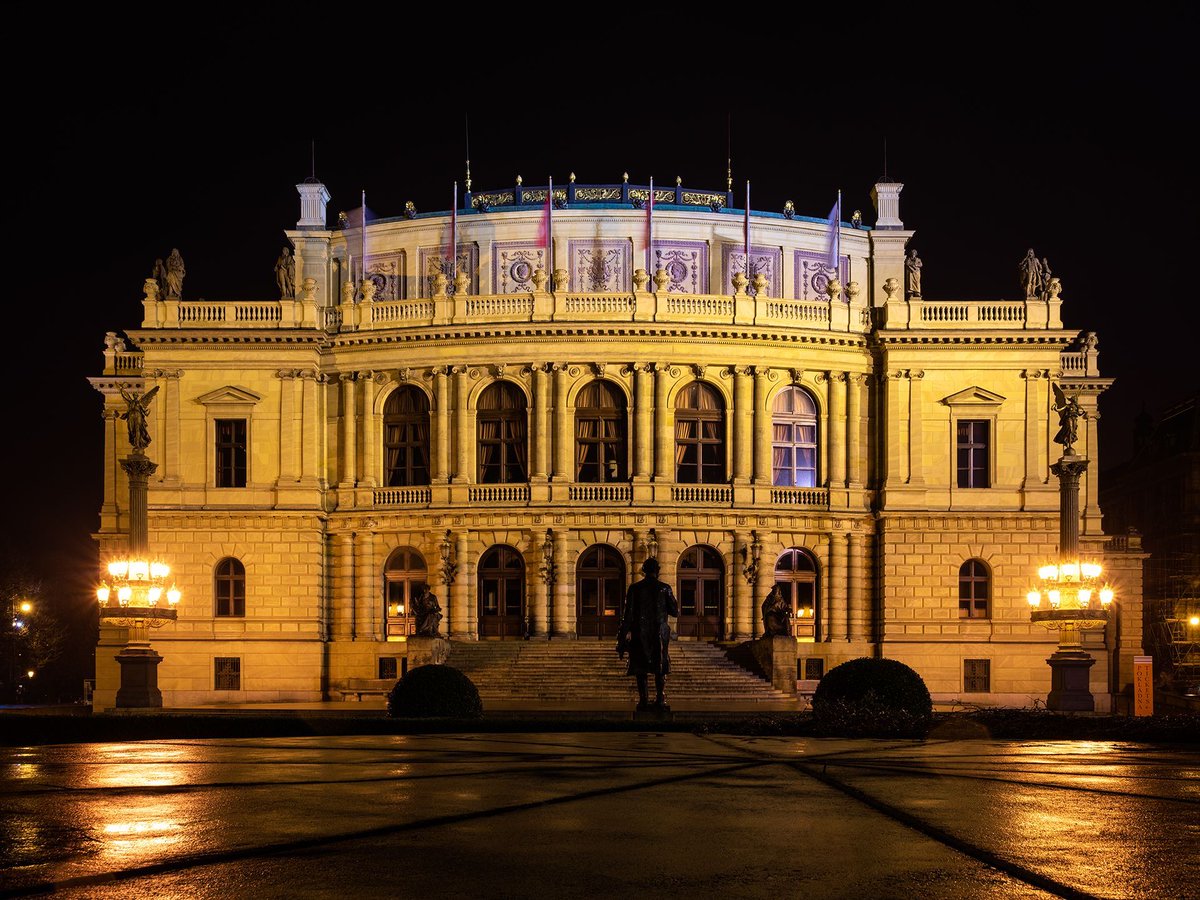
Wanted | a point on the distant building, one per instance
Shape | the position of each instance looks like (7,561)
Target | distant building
(520,426)
(1157,493)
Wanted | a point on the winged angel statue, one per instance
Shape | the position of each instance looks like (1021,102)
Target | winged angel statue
(1069,413)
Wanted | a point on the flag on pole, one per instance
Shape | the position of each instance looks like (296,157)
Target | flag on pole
(358,218)
(454,237)
(546,229)
(746,236)
(650,230)
(833,246)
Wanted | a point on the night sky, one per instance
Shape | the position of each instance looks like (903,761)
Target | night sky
(191,128)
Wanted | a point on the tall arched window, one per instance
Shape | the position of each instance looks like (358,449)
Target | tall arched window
(600,447)
(404,577)
(229,588)
(599,589)
(794,439)
(701,579)
(406,438)
(502,593)
(503,435)
(699,435)
(974,590)
(796,577)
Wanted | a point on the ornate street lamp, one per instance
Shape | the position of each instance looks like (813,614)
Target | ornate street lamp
(1072,596)
(137,593)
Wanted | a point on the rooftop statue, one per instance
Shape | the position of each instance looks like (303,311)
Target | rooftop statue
(1031,275)
(285,274)
(912,272)
(174,276)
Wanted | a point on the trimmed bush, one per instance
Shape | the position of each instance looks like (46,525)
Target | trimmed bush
(872,698)
(434,692)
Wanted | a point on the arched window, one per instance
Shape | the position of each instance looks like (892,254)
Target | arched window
(404,577)
(699,435)
(796,577)
(600,448)
(502,593)
(794,439)
(229,588)
(701,579)
(974,590)
(503,435)
(599,589)
(406,438)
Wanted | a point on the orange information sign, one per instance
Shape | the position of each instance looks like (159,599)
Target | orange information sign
(1143,685)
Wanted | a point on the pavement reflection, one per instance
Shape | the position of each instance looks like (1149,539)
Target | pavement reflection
(515,815)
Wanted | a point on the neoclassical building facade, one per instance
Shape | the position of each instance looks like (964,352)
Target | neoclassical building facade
(519,423)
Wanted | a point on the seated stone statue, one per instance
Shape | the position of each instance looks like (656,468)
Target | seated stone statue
(777,614)
(428,613)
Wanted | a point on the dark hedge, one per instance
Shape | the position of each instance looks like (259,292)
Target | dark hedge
(434,692)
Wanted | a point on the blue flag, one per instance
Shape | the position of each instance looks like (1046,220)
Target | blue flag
(833,247)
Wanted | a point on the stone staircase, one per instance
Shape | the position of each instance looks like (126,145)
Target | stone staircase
(588,673)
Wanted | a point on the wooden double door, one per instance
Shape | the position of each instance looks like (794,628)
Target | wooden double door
(502,594)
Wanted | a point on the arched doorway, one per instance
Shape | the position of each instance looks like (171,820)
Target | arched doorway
(599,590)
(796,577)
(404,577)
(701,593)
(502,593)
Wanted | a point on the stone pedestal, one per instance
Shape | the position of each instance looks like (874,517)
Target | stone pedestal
(776,655)
(1069,682)
(653,713)
(427,651)
(139,678)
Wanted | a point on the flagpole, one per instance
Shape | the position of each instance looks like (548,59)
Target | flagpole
(364,235)
(837,244)
(650,231)
(550,227)
(746,237)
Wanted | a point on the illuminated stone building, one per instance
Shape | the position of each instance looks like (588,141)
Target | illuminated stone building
(520,430)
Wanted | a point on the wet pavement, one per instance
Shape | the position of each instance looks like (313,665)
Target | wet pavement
(599,815)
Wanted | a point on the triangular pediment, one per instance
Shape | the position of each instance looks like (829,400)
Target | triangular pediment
(974,396)
(229,394)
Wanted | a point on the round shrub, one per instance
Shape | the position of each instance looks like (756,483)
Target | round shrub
(872,698)
(434,692)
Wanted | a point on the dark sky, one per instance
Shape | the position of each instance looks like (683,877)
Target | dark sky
(191,127)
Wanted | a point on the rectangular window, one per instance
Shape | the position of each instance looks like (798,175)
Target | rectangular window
(228,670)
(231,453)
(387,668)
(814,669)
(973,453)
(977,676)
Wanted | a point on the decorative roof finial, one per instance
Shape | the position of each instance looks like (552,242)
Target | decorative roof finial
(519,182)
(625,178)
(572,178)
(468,176)
(678,181)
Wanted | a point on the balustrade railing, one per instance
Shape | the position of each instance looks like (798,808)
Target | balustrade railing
(128,363)
(956,314)
(600,493)
(806,311)
(499,493)
(795,496)
(702,493)
(500,306)
(401,311)
(698,305)
(1073,362)
(405,496)
(599,304)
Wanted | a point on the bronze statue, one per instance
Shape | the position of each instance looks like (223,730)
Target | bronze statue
(645,634)
(428,613)
(136,409)
(776,614)
(1069,413)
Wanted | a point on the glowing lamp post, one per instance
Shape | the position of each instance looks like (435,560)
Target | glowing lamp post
(137,592)
(1071,597)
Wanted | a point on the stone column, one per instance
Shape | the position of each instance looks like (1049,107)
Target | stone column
(288,437)
(540,425)
(313,429)
(366,476)
(643,417)
(743,432)
(349,435)
(763,581)
(441,457)
(916,434)
(342,619)
(563,428)
(539,589)
(367,596)
(464,464)
(893,476)
(857,464)
(171,440)
(1093,520)
(564,586)
(109,510)
(858,617)
(826,590)
(837,587)
(762,429)
(837,429)
(664,426)
(460,620)
(743,612)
